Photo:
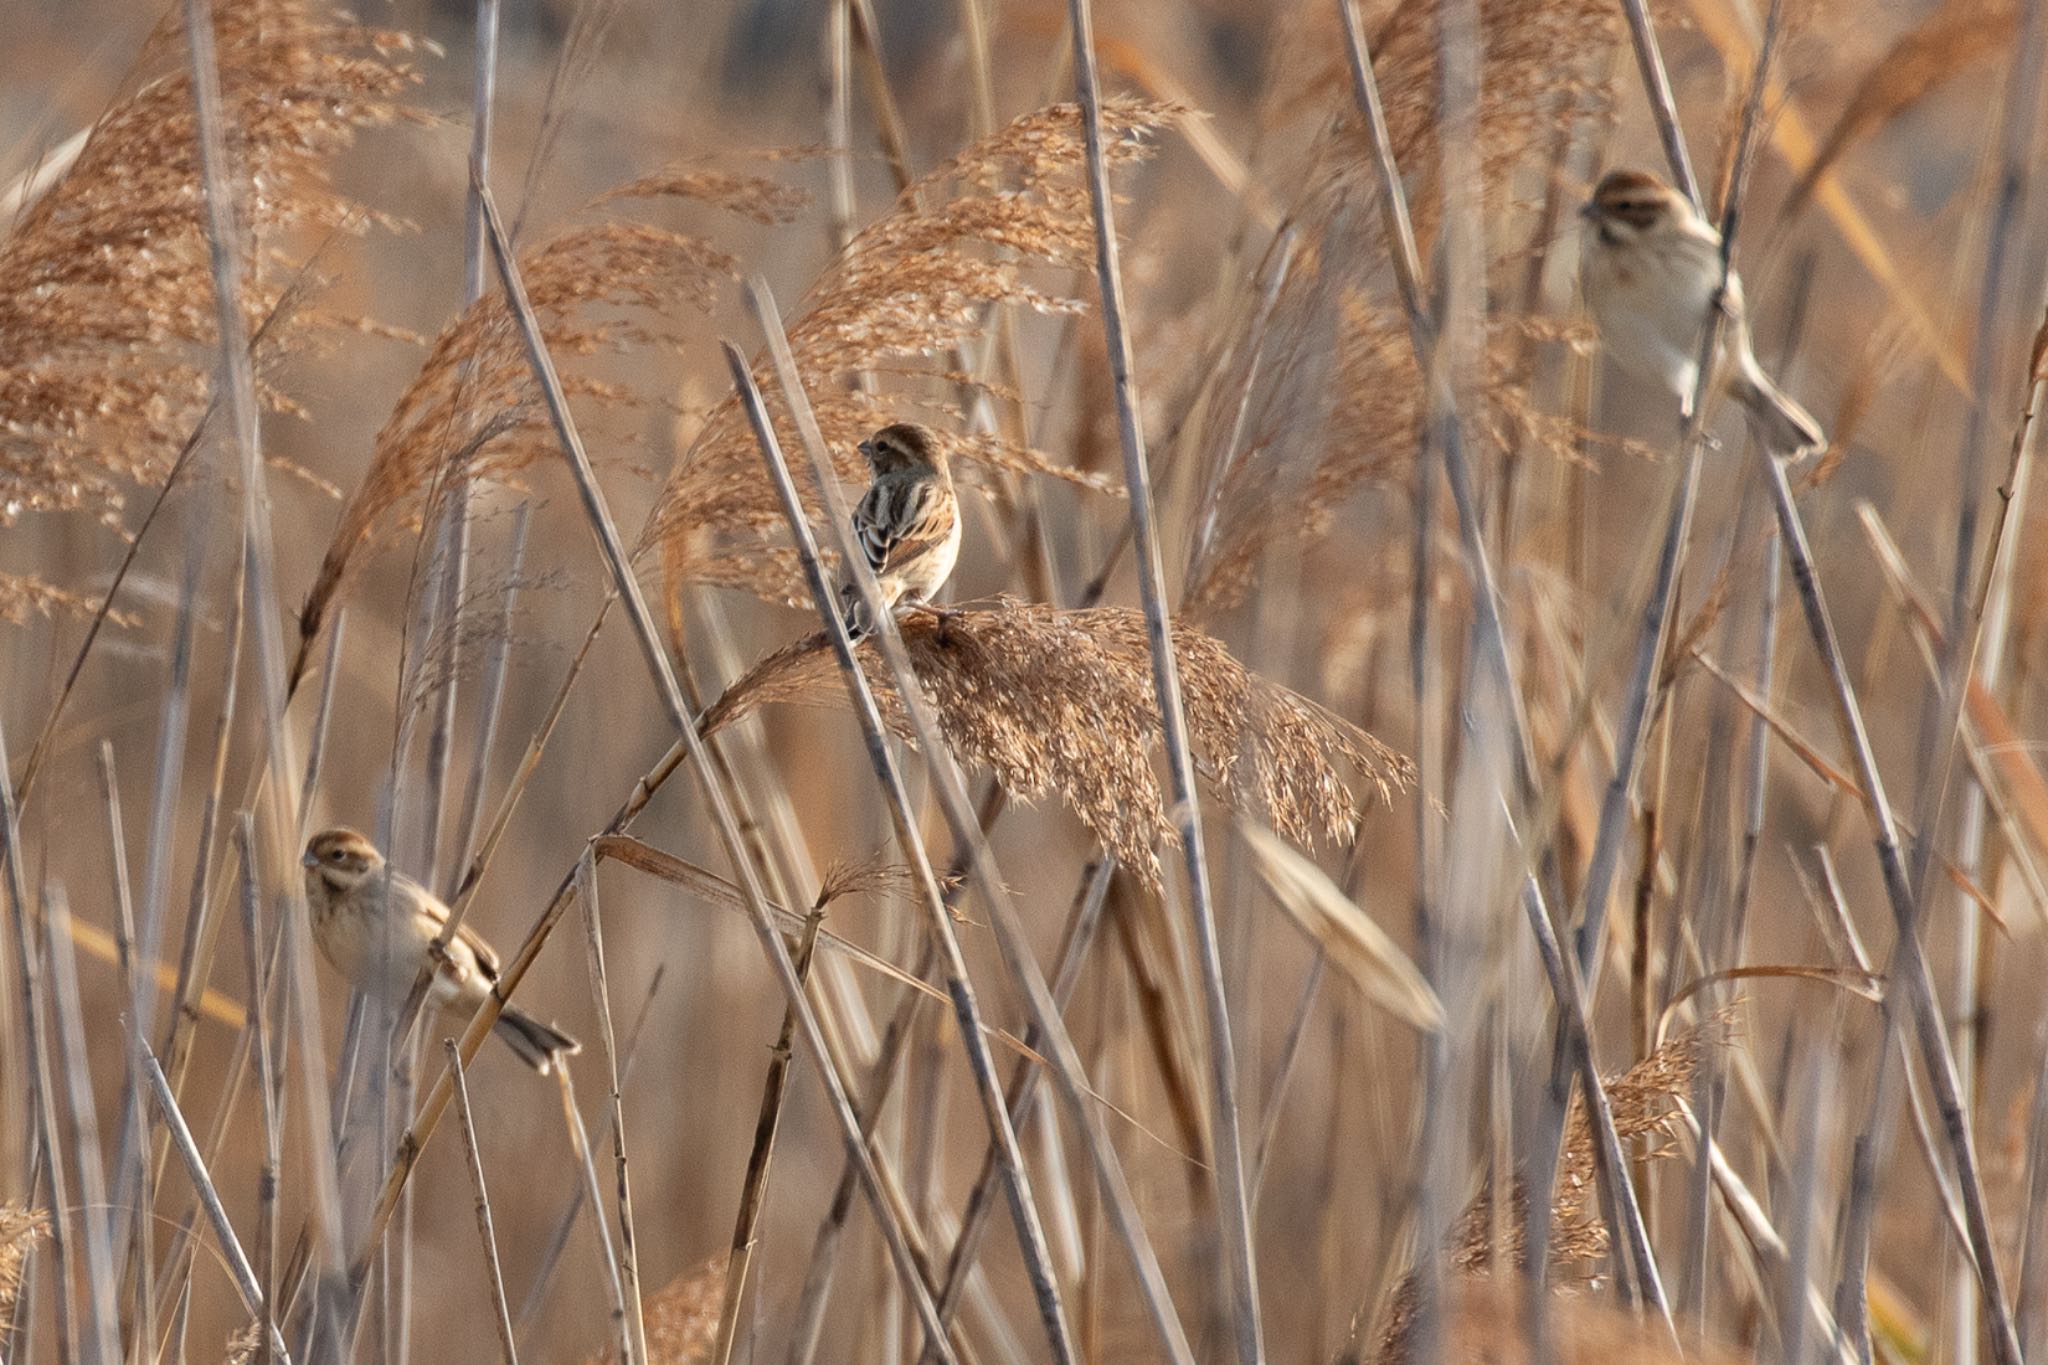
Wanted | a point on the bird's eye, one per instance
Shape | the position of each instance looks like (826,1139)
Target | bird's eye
(335,856)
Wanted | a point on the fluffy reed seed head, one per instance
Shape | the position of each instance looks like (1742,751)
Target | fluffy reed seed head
(107,333)
(1643,1100)
(1062,701)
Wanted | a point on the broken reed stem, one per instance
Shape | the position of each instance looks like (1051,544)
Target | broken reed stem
(754,1185)
(1232,1193)
(486,1228)
(239,1269)
(1910,961)
(1023,1204)
(1629,1230)
(970,841)
(600,987)
(716,797)
(593,1198)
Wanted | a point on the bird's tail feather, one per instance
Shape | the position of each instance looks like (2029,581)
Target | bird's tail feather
(536,1043)
(1782,425)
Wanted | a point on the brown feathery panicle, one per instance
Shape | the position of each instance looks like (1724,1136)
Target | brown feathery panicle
(1643,1100)
(1006,222)
(106,299)
(20,1229)
(474,411)
(1484,1325)
(1540,62)
(1062,701)
(682,1319)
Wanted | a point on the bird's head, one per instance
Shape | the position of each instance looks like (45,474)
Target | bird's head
(341,858)
(903,445)
(1627,204)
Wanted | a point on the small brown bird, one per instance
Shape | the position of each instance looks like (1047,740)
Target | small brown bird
(908,524)
(1649,267)
(380,944)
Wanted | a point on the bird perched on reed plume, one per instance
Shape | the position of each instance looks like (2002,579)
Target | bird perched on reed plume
(907,525)
(1649,266)
(374,925)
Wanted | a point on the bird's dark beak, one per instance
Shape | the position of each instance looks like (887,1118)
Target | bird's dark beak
(867,451)
(309,859)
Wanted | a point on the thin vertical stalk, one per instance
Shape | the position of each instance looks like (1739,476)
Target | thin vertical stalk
(754,1185)
(1663,108)
(238,377)
(452,553)
(42,1116)
(629,1253)
(593,1199)
(486,1229)
(266,1082)
(558,1241)
(2022,99)
(1232,1194)
(489,706)
(105,1340)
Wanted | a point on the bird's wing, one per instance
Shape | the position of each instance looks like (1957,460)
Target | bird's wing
(900,520)
(430,908)
(486,956)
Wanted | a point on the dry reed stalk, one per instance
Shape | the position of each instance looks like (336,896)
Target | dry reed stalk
(486,1231)
(107,321)
(1005,223)
(754,1185)
(600,990)
(1060,701)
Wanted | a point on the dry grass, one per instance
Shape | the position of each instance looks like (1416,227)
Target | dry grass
(1284,413)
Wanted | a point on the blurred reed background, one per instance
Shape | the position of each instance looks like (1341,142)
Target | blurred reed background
(1539,751)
